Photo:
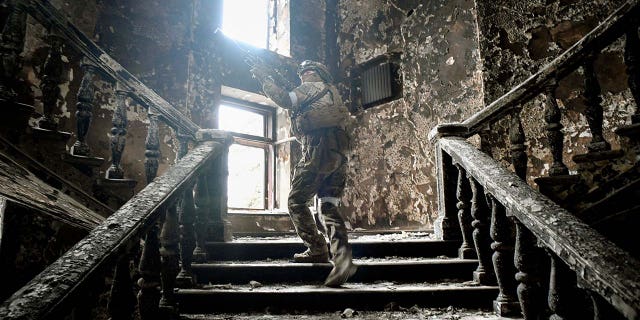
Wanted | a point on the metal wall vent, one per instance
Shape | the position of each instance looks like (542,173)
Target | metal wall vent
(376,81)
(376,84)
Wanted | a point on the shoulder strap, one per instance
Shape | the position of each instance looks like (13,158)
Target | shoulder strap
(312,99)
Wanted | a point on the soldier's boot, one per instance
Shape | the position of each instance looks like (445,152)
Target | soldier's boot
(310,257)
(305,224)
(343,267)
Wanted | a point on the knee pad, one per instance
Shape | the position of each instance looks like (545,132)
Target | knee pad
(330,200)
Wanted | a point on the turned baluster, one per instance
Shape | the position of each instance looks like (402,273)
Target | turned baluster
(594,112)
(52,77)
(13,34)
(564,297)
(169,239)
(152,144)
(527,255)
(150,263)
(149,282)
(481,238)
(118,134)
(186,215)
(555,137)
(463,194)
(632,60)
(202,207)
(517,148)
(84,108)
(122,301)
(529,262)
(503,241)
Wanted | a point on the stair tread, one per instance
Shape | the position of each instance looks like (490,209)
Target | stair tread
(284,298)
(403,244)
(347,288)
(353,237)
(404,312)
(359,262)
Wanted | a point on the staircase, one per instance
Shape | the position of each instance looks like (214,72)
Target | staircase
(539,251)
(395,270)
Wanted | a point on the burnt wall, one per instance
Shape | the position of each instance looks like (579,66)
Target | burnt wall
(517,39)
(151,39)
(391,169)
(171,46)
(307,35)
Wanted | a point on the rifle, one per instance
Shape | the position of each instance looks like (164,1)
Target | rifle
(260,69)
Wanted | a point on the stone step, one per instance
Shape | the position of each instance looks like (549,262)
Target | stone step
(393,312)
(86,165)
(559,188)
(313,298)
(257,249)
(369,270)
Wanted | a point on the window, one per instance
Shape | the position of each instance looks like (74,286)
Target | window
(251,158)
(247,21)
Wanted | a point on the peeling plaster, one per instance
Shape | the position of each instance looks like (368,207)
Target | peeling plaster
(392,166)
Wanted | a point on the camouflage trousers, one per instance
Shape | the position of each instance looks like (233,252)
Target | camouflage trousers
(321,171)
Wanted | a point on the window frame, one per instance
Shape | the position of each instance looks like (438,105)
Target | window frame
(266,142)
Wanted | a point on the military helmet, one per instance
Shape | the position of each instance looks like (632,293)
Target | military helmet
(318,67)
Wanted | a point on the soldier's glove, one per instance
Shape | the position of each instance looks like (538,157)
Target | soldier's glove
(260,72)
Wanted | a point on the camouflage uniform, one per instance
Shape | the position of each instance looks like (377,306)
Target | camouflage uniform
(322,168)
(321,171)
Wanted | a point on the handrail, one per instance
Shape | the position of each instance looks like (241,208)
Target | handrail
(599,263)
(44,12)
(598,38)
(49,291)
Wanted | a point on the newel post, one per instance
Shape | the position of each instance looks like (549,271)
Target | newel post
(218,227)
(446,226)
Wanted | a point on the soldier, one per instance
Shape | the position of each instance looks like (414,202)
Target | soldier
(319,120)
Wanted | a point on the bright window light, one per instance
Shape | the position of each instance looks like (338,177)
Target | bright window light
(246,182)
(240,121)
(246,21)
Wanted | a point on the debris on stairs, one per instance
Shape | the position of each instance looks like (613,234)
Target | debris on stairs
(397,273)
